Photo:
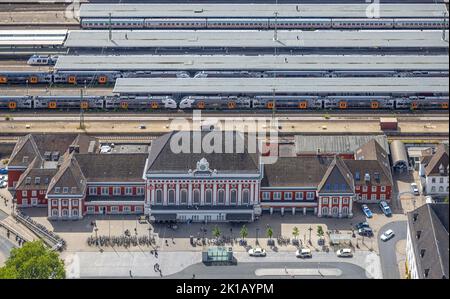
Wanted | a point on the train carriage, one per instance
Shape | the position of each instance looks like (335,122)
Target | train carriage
(229,23)
(359,102)
(215,102)
(362,23)
(85,77)
(323,23)
(433,102)
(68,102)
(105,23)
(287,102)
(25,77)
(435,23)
(175,23)
(16,102)
(140,103)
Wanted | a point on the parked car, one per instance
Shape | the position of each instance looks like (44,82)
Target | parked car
(3,184)
(385,208)
(3,171)
(415,189)
(344,252)
(365,231)
(362,224)
(429,199)
(257,252)
(367,211)
(303,253)
(387,235)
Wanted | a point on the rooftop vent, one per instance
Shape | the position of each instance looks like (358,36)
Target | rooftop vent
(415,216)
(55,156)
(367,177)
(418,233)
(422,252)
(48,156)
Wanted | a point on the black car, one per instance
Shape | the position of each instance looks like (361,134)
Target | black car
(362,225)
(365,231)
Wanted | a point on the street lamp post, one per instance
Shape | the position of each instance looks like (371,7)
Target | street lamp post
(257,230)
(310,230)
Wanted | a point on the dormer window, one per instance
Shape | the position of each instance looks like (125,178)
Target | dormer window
(46,180)
(57,189)
(73,190)
(377,176)
(441,169)
(28,181)
(357,175)
(65,189)
(37,180)
(25,159)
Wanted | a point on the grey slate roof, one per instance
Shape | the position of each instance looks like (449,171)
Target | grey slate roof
(36,170)
(296,172)
(337,178)
(112,167)
(438,159)
(69,175)
(336,144)
(429,225)
(372,167)
(373,151)
(162,160)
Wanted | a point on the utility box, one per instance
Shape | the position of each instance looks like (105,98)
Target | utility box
(388,124)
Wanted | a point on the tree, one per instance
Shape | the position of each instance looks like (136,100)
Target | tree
(33,261)
(216,232)
(446,199)
(269,232)
(295,232)
(320,232)
(244,232)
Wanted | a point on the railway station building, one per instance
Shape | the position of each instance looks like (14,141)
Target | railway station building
(195,183)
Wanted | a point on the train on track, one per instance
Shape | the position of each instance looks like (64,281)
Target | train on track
(221,102)
(265,23)
(109,77)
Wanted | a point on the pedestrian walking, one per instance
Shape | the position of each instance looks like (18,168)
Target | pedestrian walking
(193,276)
(131,275)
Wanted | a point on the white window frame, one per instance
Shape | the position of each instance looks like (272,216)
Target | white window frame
(221,193)
(65,212)
(65,190)
(54,202)
(54,212)
(233,199)
(266,196)
(117,191)
(90,209)
(75,212)
(335,200)
(364,188)
(383,188)
(139,190)
(114,209)
(128,190)
(104,190)
(209,193)
(373,197)
(310,196)
(138,209)
(92,190)
(298,195)
(161,197)
(364,196)
(169,193)
(24,193)
(277,196)
(383,196)
(325,201)
(374,188)
(65,203)
(75,202)
(126,209)
(288,196)
(57,189)
(245,197)
(184,201)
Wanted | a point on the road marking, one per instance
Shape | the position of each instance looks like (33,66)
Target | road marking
(298,272)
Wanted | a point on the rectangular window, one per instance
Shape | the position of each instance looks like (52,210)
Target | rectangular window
(117,191)
(114,209)
(288,195)
(129,191)
(441,180)
(364,197)
(90,209)
(266,196)
(208,197)
(92,190)
(159,196)
(310,195)
(54,202)
(246,197)
(73,190)
(75,202)
(433,180)
(374,188)
(138,209)
(65,190)
(335,200)
(171,196)
(373,197)
(126,209)
(345,201)
(221,197)
(65,202)
(383,188)
(25,193)
(140,190)
(233,197)
(383,196)
(364,188)
(325,200)
(299,196)
(277,195)
(34,193)
(105,191)
(37,180)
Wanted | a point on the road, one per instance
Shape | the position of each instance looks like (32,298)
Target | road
(247,271)
(388,258)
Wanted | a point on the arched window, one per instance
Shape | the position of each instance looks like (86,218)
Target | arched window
(55,212)
(196,199)
(335,211)
(183,197)
(208,197)
(246,197)
(171,197)
(345,211)
(233,197)
(441,189)
(324,210)
(75,213)
(65,213)
(221,197)
(159,197)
